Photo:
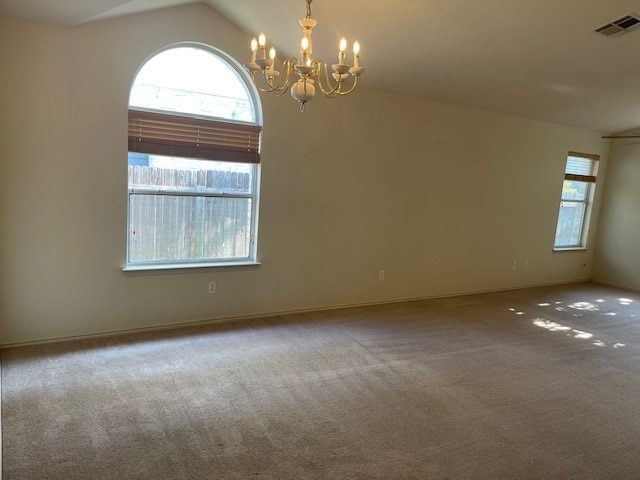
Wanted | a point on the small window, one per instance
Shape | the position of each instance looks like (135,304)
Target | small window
(575,202)
(194,137)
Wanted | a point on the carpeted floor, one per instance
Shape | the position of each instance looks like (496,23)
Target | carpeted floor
(539,383)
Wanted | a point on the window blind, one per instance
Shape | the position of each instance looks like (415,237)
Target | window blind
(581,167)
(189,137)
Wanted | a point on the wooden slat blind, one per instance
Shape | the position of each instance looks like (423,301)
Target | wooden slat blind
(178,136)
(581,167)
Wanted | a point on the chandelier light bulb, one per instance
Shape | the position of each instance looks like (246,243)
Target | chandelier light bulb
(356,54)
(254,49)
(262,41)
(343,48)
(343,44)
(305,45)
(272,53)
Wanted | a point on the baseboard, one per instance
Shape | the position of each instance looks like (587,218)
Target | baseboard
(265,315)
(614,285)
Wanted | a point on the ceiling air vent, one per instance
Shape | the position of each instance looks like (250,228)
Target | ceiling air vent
(621,25)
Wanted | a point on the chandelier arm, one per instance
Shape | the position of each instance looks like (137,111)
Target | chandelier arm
(270,88)
(291,63)
(280,91)
(278,87)
(353,87)
(337,90)
(332,90)
(273,87)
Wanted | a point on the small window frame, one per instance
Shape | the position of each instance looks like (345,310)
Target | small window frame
(587,200)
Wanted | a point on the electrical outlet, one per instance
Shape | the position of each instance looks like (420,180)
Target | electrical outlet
(212,287)
(514,265)
(526,264)
(381,276)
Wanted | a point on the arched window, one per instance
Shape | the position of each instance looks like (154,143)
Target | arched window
(194,131)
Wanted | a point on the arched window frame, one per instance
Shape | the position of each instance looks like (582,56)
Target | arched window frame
(219,124)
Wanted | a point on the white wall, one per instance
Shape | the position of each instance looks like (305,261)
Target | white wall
(617,260)
(444,198)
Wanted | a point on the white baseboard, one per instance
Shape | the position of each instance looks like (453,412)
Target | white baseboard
(202,322)
(614,285)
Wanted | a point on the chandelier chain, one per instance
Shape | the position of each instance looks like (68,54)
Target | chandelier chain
(309,8)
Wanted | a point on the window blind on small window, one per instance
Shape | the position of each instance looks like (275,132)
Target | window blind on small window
(189,137)
(581,167)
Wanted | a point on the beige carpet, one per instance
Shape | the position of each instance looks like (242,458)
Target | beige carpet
(539,383)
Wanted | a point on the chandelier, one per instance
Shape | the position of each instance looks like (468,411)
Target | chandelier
(301,76)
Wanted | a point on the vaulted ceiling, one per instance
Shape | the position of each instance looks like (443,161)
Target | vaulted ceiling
(538,59)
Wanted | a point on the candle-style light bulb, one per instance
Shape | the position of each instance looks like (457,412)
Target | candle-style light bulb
(254,49)
(272,53)
(262,41)
(304,44)
(342,49)
(356,54)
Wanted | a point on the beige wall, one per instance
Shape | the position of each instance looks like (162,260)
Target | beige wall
(617,259)
(444,198)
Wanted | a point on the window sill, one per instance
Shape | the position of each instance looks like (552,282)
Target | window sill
(183,266)
(570,249)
